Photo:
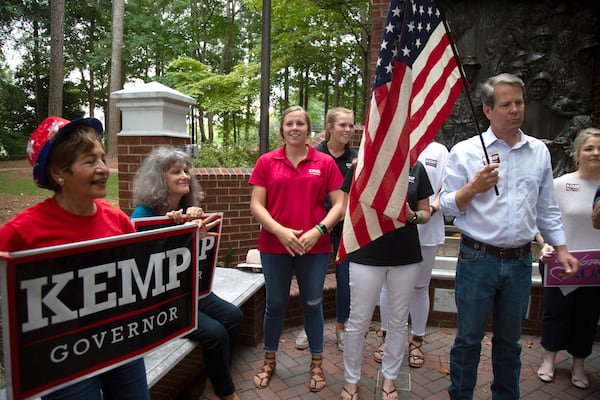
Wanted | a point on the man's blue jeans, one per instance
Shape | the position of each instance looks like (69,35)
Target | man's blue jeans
(486,283)
(310,272)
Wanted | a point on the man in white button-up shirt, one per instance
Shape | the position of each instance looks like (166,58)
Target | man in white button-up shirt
(493,273)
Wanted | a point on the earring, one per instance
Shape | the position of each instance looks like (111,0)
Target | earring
(61,181)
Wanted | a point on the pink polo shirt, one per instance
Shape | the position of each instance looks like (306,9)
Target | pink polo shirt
(295,196)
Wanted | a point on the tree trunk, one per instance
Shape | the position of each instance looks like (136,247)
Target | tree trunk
(211,130)
(41,109)
(336,83)
(56,75)
(235,130)
(91,90)
(201,125)
(225,66)
(248,118)
(116,83)
(286,88)
(306,88)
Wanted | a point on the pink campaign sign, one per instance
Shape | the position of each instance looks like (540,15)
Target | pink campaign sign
(588,274)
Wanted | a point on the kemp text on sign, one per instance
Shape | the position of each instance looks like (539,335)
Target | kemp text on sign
(208,251)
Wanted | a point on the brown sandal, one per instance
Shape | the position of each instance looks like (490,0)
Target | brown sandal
(416,358)
(317,378)
(391,395)
(348,395)
(263,377)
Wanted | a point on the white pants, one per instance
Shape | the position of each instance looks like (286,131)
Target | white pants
(419,306)
(366,282)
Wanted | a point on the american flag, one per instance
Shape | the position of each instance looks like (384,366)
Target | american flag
(416,84)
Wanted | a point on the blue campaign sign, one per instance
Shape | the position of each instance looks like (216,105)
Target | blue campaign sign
(76,310)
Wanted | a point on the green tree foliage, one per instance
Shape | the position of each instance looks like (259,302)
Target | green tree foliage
(216,155)
(87,50)
(15,122)
(223,94)
(317,54)
(209,49)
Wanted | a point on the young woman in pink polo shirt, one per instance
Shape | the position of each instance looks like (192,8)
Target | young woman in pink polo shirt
(288,200)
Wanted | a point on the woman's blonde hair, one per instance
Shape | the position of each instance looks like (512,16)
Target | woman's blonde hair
(580,140)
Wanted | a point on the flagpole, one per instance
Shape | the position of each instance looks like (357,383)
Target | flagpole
(466,83)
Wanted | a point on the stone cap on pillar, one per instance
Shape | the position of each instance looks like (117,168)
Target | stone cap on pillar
(153,109)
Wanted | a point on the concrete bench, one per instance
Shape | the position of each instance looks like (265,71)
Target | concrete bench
(445,268)
(443,308)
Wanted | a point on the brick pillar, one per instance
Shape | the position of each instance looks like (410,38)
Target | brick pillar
(153,115)
(378,18)
(228,191)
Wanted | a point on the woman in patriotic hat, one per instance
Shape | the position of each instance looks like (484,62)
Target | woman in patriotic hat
(68,158)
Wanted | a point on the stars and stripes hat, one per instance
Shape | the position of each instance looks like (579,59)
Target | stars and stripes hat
(45,136)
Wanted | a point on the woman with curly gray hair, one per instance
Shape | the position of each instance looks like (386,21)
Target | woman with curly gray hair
(164,185)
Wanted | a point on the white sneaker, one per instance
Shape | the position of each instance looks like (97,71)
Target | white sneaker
(302,340)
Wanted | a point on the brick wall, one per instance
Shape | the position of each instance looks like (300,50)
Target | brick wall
(227,190)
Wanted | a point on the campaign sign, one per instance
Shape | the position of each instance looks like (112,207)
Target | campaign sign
(587,275)
(207,253)
(76,310)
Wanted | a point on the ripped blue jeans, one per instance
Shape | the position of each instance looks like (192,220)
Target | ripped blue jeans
(310,270)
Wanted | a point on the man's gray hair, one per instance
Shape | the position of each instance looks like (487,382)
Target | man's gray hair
(487,88)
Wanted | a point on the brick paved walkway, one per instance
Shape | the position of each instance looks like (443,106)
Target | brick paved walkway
(427,383)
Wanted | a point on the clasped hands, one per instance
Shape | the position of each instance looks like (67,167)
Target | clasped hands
(297,241)
(194,216)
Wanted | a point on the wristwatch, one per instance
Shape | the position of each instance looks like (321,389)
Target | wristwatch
(322,228)
(413,219)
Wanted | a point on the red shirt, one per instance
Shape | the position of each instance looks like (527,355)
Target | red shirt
(295,196)
(48,224)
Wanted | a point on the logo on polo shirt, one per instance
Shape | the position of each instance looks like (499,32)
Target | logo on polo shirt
(314,171)
(572,187)
(431,162)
